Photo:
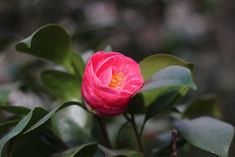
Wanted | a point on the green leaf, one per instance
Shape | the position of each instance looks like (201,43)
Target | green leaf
(73,125)
(207,105)
(49,42)
(36,144)
(25,123)
(152,64)
(50,114)
(62,85)
(85,150)
(77,65)
(170,79)
(207,134)
(18,110)
(163,102)
(52,43)
(171,76)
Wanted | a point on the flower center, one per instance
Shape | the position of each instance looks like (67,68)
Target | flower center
(117,80)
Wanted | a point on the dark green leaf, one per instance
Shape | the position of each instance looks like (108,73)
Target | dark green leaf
(49,42)
(25,123)
(62,85)
(35,144)
(207,133)
(207,105)
(85,150)
(155,63)
(52,43)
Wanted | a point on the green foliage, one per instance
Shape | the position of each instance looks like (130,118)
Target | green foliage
(69,130)
(61,84)
(152,64)
(24,124)
(207,133)
(52,43)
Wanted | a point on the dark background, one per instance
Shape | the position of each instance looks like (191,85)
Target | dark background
(199,31)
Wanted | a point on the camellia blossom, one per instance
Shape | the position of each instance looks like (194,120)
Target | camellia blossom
(109,81)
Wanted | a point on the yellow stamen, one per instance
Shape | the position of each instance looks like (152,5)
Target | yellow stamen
(117,80)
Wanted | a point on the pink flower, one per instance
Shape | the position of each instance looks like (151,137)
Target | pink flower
(110,80)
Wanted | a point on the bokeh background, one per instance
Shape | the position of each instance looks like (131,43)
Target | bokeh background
(199,31)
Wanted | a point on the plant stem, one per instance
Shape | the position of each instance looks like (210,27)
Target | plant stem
(103,131)
(142,128)
(133,122)
(174,136)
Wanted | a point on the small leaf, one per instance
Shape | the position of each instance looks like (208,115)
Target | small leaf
(152,64)
(62,85)
(25,123)
(85,150)
(207,133)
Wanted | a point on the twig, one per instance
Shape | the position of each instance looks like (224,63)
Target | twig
(174,137)
(133,122)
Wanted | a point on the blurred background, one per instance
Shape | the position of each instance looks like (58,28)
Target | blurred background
(199,31)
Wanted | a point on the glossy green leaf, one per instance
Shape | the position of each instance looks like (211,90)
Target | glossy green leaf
(85,150)
(25,123)
(171,76)
(48,116)
(49,42)
(165,88)
(62,85)
(73,125)
(52,43)
(152,64)
(207,105)
(207,133)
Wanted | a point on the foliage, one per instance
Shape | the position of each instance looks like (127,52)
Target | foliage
(58,133)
